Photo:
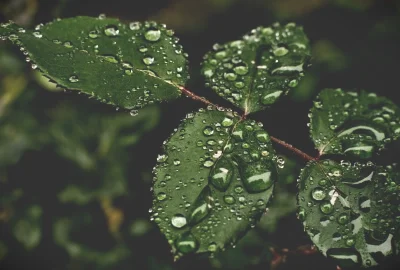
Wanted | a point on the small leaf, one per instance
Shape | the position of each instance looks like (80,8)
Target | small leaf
(351,211)
(254,72)
(353,124)
(129,66)
(213,181)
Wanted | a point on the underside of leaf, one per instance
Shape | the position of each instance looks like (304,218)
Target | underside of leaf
(351,210)
(212,182)
(254,72)
(129,66)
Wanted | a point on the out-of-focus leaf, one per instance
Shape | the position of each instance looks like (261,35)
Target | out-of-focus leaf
(27,226)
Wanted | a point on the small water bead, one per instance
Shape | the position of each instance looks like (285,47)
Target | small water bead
(177,162)
(301,213)
(280,51)
(318,194)
(228,199)
(178,221)
(238,189)
(134,112)
(227,122)
(350,242)
(162,158)
(186,244)
(73,79)
(241,69)
(37,34)
(161,196)
(262,136)
(343,219)
(208,131)
(212,247)
(230,76)
(153,35)
(208,163)
(148,60)
(93,34)
(326,207)
(111,31)
(134,26)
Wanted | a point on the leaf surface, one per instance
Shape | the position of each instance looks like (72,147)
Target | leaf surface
(351,211)
(127,65)
(353,124)
(252,73)
(213,181)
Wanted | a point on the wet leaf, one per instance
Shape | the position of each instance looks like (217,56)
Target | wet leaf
(254,72)
(212,181)
(353,124)
(127,65)
(351,210)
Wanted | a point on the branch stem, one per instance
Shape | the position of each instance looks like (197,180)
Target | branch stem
(293,149)
(193,96)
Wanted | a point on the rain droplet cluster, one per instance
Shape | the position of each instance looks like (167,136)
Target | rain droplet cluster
(213,180)
(353,124)
(254,72)
(351,210)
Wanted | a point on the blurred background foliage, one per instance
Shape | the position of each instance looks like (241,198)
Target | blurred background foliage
(75,175)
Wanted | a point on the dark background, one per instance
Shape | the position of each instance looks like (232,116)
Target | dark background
(355,45)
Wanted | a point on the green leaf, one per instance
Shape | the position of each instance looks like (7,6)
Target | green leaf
(129,66)
(213,181)
(353,124)
(351,211)
(254,72)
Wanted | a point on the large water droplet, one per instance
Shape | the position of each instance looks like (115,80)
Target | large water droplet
(228,199)
(148,60)
(152,35)
(258,177)
(178,221)
(208,131)
(221,174)
(326,207)
(318,194)
(201,207)
(187,243)
(111,31)
(241,69)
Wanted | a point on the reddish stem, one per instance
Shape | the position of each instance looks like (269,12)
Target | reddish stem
(192,95)
(196,97)
(293,149)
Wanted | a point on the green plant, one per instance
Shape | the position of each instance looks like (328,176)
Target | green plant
(217,172)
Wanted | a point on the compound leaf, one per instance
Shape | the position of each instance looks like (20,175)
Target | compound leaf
(254,72)
(350,211)
(353,124)
(213,181)
(129,66)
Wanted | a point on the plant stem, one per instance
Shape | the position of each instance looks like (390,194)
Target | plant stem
(196,97)
(193,96)
(293,149)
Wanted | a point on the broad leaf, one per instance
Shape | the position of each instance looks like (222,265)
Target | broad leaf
(254,72)
(125,65)
(351,211)
(353,124)
(213,181)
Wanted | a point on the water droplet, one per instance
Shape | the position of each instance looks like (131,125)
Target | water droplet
(318,194)
(221,174)
(111,31)
(134,112)
(93,34)
(201,207)
(212,247)
(271,97)
(73,79)
(162,158)
(343,219)
(258,177)
(187,243)
(347,257)
(228,199)
(280,51)
(161,196)
(326,207)
(230,76)
(178,221)
(153,35)
(241,69)
(227,122)
(208,131)
(134,26)
(148,60)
